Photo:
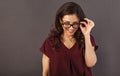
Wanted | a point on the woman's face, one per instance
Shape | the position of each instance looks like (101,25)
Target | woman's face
(70,24)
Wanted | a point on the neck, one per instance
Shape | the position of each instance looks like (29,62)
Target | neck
(67,37)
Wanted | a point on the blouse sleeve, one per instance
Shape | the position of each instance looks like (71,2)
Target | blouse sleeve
(93,42)
(45,48)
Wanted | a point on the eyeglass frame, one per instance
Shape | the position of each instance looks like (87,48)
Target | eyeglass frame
(63,23)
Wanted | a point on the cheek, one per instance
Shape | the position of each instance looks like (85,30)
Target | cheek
(65,28)
(75,30)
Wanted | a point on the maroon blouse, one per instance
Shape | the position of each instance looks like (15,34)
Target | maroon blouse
(64,61)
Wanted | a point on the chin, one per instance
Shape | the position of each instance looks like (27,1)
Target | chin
(70,34)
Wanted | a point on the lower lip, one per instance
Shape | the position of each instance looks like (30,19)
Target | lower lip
(70,31)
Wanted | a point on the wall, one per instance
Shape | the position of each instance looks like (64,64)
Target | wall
(24,25)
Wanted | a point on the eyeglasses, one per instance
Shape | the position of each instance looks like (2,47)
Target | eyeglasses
(68,25)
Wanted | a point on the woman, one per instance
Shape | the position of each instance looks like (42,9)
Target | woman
(70,49)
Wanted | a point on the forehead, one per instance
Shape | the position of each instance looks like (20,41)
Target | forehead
(70,18)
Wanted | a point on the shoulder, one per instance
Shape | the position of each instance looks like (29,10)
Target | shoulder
(51,41)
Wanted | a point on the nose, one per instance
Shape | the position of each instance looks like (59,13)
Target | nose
(71,27)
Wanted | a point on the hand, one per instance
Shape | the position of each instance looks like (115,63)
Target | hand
(87,26)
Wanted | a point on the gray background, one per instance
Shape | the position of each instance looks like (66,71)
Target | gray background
(24,25)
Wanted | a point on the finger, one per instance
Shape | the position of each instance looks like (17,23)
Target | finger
(88,20)
(85,21)
(81,27)
(83,24)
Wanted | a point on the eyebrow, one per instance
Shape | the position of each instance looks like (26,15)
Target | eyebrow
(69,21)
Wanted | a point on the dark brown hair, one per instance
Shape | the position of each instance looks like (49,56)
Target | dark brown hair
(67,8)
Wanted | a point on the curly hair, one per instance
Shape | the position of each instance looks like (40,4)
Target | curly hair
(67,9)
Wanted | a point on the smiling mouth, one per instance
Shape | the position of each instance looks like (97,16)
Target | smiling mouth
(70,31)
